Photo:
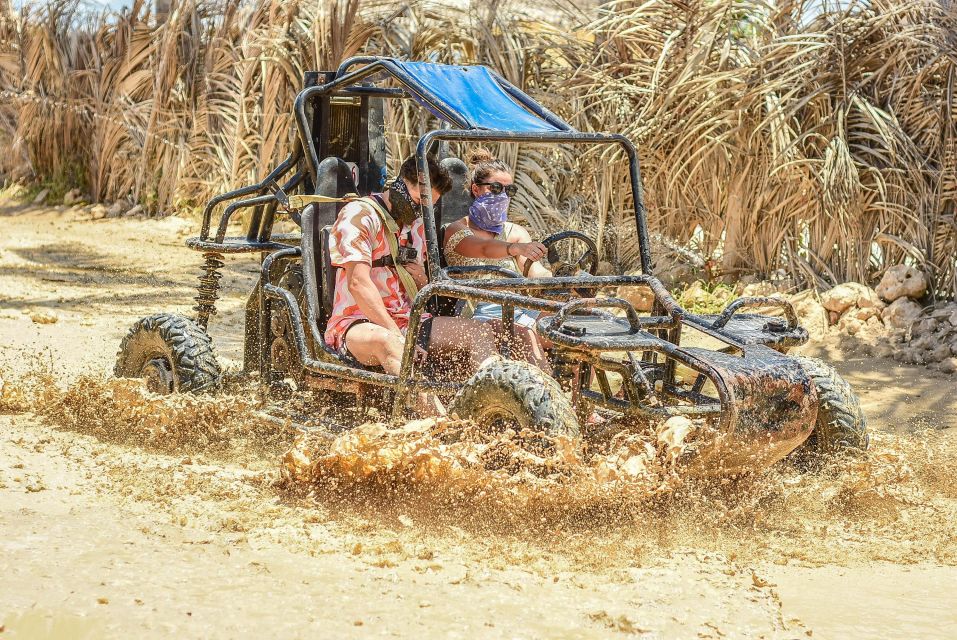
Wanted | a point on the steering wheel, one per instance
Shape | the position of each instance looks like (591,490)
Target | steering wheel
(587,261)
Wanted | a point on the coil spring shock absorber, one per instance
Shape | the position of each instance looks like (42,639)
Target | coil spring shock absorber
(208,287)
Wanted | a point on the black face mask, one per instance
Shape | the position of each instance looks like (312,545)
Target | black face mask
(404,210)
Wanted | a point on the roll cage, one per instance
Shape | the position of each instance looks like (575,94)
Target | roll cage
(477,105)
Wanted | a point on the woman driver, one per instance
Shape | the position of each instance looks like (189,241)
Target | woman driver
(486,237)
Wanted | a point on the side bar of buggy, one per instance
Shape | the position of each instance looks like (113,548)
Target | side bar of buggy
(562,137)
(406,383)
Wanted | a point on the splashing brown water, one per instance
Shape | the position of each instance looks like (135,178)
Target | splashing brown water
(602,509)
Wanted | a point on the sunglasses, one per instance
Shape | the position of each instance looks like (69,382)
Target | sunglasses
(498,187)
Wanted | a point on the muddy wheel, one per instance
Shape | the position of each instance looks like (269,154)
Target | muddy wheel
(511,394)
(841,426)
(170,352)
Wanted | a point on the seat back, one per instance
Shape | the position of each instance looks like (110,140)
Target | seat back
(328,272)
(334,179)
(454,204)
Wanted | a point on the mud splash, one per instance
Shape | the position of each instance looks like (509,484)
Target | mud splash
(897,503)
(606,508)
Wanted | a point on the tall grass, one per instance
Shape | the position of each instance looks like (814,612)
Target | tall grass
(816,140)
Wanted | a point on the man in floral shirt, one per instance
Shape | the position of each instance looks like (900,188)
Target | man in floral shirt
(372,303)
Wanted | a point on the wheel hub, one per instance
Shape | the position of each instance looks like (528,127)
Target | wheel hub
(158,375)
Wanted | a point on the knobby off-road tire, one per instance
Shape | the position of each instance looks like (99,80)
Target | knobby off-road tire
(510,393)
(841,426)
(172,353)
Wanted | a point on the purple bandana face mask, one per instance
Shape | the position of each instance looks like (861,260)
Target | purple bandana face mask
(489,212)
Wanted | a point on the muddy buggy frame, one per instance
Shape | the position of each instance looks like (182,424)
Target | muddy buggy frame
(760,403)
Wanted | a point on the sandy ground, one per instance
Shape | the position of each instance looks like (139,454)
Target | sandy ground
(101,537)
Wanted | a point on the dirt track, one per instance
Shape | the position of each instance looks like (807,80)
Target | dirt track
(116,540)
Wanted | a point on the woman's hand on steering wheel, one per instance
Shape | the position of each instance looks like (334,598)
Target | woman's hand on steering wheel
(533,251)
(587,261)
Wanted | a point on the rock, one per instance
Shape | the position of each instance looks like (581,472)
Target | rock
(901,314)
(44,317)
(135,211)
(759,290)
(927,326)
(948,365)
(884,350)
(98,212)
(864,313)
(833,317)
(911,356)
(42,196)
(869,329)
(850,294)
(605,268)
(72,197)
(902,281)
(939,353)
(640,297)
(117,209)
(810,312)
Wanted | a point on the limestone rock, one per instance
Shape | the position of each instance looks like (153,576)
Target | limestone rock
(902,281)
(605,268)
(901,314)
(949,365)
(939,353)
(640,297)
(884,350)
(850,294)
(117,209)
(759,290)
(134,212)
(72,197)
(98,212)
(41,197)
(864,313)
(44,317)
(810,312)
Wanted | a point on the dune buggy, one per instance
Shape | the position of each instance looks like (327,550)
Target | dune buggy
(729,369)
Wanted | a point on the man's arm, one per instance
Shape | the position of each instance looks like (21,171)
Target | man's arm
(367,296)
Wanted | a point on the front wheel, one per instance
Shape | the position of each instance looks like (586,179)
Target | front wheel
(171,353)
(841,426)
(512,394)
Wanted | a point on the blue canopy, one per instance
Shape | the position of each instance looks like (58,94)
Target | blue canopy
(471,95)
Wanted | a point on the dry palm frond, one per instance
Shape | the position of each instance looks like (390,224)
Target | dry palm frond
(772,136)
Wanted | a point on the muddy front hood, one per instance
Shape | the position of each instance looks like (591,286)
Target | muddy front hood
(771,407)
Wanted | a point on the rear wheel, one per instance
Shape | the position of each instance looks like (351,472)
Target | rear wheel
(841,426)
(512,394)
(171,353)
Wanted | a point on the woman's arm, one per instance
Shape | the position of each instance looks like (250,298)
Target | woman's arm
(474,247)
(519,235)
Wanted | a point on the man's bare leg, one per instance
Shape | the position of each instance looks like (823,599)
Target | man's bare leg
(373,345)
(452,333)
(526,346)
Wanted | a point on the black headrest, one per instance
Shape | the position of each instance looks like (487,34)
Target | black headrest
(333,179)
(455,204)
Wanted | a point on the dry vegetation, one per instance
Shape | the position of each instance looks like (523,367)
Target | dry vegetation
(820,142)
